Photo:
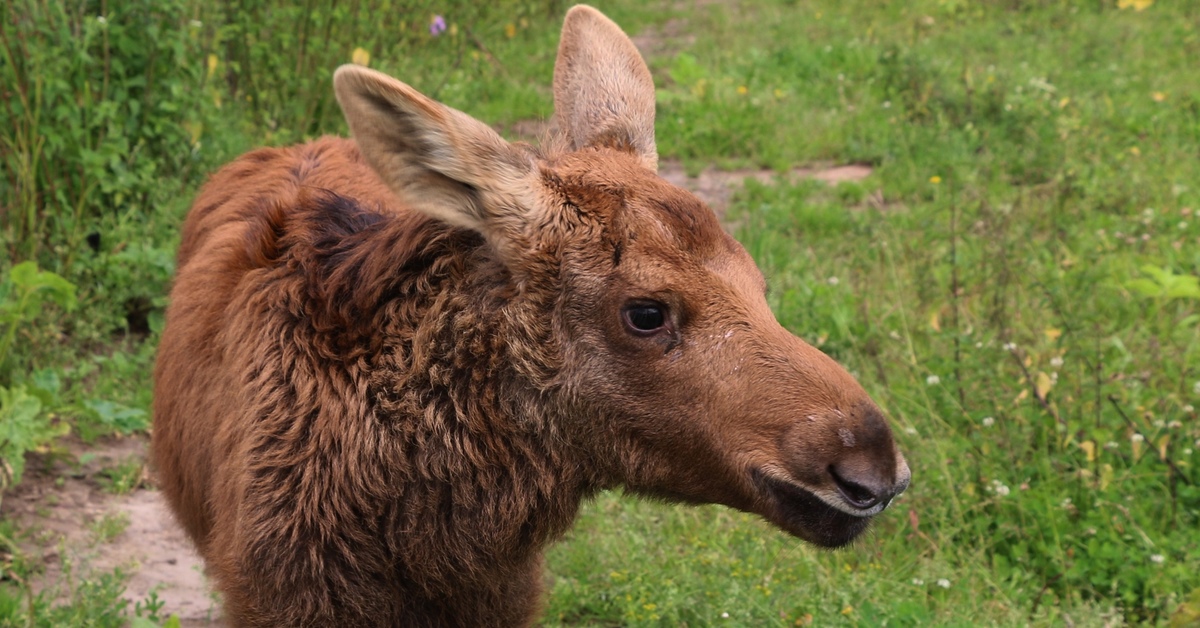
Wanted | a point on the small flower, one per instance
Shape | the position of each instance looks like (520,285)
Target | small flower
(1056,362)
(987,421)
(887,104)
(919,582)
(1136,5)
(1111,445)
(1157,559)
(101,19)
(742,90)
(1187,451)
(1137,437)
(1182,224)
(833,281)
(1196,388)
(1066,503)
(912,431)
(944,583)
(935,179)
(724,615)
(1189,408)
(195,23)
(1002,490)
(1010,346)
(437,26)
(933,380)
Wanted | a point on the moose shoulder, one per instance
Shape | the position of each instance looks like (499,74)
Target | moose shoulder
(393,368)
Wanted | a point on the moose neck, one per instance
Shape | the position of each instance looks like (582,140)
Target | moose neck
(461,382)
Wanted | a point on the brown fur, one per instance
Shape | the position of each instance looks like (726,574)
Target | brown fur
(393,368)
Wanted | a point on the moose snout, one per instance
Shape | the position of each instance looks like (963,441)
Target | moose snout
(861,470)
(866,486)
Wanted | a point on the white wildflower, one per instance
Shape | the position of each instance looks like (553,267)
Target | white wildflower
(724,615)
(1189,408)
(1157,559)
(1187,451)
(911,431)
(988,421)
(933,380)
(833,281)
(1196,388)
(1010,346)
(1137,437)
(944,583)
(1111,445)
(919,582)
(1056,361)
(101,19)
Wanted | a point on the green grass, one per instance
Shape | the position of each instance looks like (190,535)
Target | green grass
(1015,284)
(1006,303)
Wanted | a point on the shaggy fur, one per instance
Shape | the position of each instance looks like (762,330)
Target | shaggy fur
(393,368)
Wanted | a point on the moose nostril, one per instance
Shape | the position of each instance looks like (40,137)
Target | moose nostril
(856,494)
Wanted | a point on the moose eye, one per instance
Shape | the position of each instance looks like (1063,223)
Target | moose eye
(643,318)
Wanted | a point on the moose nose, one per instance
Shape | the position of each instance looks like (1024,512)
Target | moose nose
(865,488)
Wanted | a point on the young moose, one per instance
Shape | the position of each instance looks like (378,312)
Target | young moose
(394,367)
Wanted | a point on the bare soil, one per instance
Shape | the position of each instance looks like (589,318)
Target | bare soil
(61,506)
(713,186)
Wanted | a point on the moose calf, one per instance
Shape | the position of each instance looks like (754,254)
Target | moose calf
(394,367)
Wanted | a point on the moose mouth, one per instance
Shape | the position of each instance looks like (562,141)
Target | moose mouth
(801,513)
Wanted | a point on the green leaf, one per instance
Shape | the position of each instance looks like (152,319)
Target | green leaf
(118,417)
(23,427)
(28,279)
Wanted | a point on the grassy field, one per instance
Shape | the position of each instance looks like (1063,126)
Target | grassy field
(1016,283)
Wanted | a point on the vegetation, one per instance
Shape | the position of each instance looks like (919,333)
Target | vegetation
(1016,284)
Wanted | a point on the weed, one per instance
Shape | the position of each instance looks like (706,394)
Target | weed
(123,477)
(109,526)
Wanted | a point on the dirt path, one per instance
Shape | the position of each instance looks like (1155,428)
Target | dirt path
(75,526)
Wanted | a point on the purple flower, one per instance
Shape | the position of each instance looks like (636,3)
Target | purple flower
(437,26)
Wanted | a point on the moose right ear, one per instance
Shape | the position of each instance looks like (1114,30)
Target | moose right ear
(440,161)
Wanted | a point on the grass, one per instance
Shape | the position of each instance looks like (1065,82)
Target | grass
(1015,284)
(1005,301)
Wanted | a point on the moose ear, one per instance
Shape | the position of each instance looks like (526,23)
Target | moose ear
(440,161)
(603,91)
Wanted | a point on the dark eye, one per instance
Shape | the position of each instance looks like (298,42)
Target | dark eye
(645,317)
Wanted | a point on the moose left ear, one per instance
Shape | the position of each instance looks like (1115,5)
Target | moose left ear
(439,160)
(603,91)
